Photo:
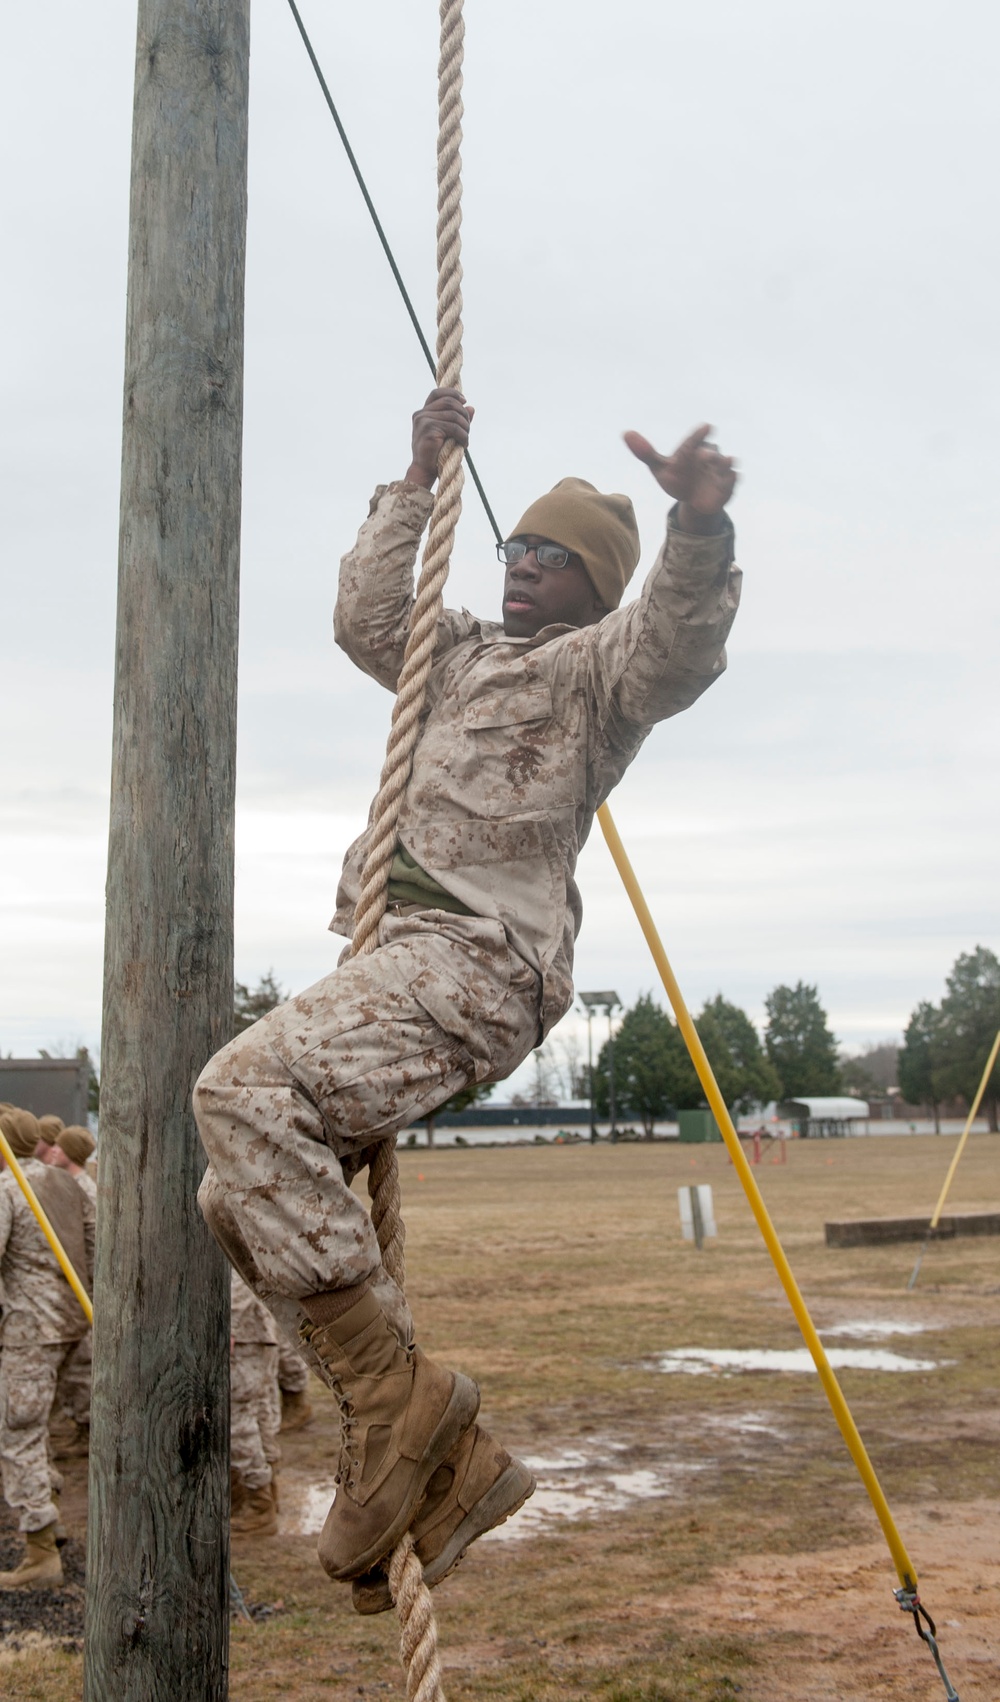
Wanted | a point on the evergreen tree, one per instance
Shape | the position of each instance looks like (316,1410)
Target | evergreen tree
(249,1007)
(920,1060)
(689,1095)
(93,1081)
(646,1058)
(799,1043)
(970,1018)
(654,1073)
(756,1077)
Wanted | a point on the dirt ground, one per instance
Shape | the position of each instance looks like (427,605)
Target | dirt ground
(699,1532)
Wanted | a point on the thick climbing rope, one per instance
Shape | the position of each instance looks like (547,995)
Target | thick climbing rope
(384,240)
(418,656)
(412,686)
(418,1631)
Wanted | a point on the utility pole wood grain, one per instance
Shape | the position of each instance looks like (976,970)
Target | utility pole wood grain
(158,1564)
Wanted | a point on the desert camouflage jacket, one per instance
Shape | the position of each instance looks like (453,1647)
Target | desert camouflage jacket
(523,738)
(86,1182)
(38,1303)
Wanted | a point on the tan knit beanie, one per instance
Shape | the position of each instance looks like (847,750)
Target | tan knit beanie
(50,1127)
(77,1143)
(22,1132)
(599,528)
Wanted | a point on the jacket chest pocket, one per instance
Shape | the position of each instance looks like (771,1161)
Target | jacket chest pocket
(505,709)
(519,746)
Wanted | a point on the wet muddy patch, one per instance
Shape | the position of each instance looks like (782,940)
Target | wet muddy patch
(728,1361)
(876,1329)
(592,1479)
(597,1477)
(305,1502)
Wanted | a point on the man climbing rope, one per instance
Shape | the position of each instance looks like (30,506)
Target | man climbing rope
(527,728)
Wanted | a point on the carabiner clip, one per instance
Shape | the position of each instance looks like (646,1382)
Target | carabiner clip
(910,1602)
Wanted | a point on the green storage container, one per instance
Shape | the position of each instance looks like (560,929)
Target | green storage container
(698,1126)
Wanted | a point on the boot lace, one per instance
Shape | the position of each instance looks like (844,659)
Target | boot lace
(348,1462)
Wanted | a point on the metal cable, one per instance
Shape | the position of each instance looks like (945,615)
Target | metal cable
(384,240)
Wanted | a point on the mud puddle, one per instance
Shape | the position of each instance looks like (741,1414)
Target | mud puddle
(725,1361)
(573,1484)
(579,1483)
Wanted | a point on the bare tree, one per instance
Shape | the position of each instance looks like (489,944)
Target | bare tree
(545,1084)
(875,1069)
(567,1047)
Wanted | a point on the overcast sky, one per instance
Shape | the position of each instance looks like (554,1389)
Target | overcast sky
(780,218)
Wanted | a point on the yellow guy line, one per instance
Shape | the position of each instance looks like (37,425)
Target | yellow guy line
(970,1119)
(841,1411)
(991,1060)
(46,1228)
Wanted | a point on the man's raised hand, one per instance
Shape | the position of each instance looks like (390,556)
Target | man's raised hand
(696,475)
(445,417)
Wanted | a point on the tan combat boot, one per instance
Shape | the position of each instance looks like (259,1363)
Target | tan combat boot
(257,1515)
(296,1410)
(61,1533)
(401,1416)
(476,1489)
(41,1568)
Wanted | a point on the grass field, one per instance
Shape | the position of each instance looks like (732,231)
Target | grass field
(726,1548)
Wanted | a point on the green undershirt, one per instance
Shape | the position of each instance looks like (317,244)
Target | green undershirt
(410,884)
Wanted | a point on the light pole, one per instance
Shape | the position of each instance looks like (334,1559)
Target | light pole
(613,1131)
(590,1070)
(605,1002)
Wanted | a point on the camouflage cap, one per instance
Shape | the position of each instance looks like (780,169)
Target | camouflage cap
(22,1131)
(77,1143)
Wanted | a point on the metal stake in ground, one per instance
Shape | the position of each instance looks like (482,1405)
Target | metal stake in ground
(158,1564)
(697,1223)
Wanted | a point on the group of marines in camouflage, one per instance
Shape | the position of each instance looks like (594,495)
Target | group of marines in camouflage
(45,1356)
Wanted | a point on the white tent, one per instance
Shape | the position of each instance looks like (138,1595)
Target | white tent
(826,1114)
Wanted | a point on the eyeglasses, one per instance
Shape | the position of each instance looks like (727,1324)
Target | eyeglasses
(547,555)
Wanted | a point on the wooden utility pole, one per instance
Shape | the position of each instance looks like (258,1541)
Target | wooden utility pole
(158,1563)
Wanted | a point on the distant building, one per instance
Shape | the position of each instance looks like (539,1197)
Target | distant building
(826,1115)
(47,1086)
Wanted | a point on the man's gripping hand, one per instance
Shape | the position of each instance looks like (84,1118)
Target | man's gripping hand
(696,475)
(445,417)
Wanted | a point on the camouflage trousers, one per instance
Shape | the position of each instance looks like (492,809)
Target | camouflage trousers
(293,1372)
(286,1110)
(255,1412)
(28,1377)
(73,1388)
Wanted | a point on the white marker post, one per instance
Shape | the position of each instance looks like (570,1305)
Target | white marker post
(697,1212)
